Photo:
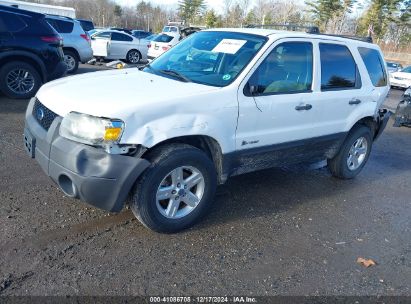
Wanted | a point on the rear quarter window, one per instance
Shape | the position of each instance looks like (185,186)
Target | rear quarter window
(63,27)
(375,67)
(11,23)
(163,38)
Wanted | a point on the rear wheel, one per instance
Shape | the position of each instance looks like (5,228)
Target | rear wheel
(133,57)
(353,154)
(71,60)
(176,190)
(19,80)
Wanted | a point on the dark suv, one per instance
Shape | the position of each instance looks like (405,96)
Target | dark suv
(30,52)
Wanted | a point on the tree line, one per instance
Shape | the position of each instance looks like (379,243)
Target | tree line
(388,21)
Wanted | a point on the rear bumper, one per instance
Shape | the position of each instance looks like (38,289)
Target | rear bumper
(382,120)
(86,54)
(81,171)
(58,72)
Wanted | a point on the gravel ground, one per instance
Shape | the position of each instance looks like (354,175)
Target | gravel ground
(287,231)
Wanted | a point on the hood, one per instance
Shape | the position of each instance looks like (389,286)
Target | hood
(114,93)
(401,75)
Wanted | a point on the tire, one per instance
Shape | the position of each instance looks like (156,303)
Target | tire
(71,60)
(133,57)
(344,168)
(19,80)
(158,215)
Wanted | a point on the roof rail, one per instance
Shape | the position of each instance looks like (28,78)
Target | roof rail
(365,39)
(290,27)
(59,16)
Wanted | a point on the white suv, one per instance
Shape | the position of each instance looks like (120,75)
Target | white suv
(220,103)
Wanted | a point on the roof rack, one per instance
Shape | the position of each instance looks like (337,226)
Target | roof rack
(59,16)
(365,39)
(309,30)
(289,27)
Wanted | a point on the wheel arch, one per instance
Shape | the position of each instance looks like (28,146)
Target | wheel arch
(370,122)
(68,48)
(205,143)
(27,58)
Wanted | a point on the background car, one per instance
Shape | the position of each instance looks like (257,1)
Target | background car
(120,29)
(77,46)
(30,52)
(162,43)
(402,78)
(393,67)
(117,45)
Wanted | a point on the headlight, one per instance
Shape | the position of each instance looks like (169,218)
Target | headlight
(408,92)
(91,130)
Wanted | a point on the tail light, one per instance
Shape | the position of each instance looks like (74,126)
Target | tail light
(165,48)
(86,37)
(53,40)
(149,45)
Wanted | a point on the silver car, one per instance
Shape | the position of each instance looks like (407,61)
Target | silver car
(77,45)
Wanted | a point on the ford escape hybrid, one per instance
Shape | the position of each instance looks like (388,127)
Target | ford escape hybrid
(226,102)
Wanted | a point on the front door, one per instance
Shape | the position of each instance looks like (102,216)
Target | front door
(280,114)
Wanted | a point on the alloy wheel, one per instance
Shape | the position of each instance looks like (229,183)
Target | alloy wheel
(70,62)
(357,153)
(20,81)
(180,192)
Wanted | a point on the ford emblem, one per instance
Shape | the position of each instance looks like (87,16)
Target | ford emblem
(40,114)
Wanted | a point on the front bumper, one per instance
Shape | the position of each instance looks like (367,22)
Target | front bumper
(58,72)
(81,171)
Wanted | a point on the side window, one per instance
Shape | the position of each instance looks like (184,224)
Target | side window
(287,69)
(374,64)
(120,37)
(338,68)
(11,23)
(105,35)
(63,27)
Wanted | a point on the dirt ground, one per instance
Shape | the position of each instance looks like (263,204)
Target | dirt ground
(285,231)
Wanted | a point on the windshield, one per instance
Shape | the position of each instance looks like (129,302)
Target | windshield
(392,65)
(406,70)
(168,29)
(163,38)
(210,58)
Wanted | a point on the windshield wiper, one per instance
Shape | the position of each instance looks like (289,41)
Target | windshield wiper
(175,74)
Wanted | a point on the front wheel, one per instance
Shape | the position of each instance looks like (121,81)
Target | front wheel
(176,190)
(353,154)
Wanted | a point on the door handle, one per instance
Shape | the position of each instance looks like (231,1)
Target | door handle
(305,107)
(354,101)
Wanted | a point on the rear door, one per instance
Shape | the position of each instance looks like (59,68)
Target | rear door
(120,45)
(343,95)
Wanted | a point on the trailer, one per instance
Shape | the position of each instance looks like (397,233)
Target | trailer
(41,8)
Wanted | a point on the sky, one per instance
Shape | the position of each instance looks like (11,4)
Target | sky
(215,4)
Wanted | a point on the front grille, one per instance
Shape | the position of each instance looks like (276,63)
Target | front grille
(43,115)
